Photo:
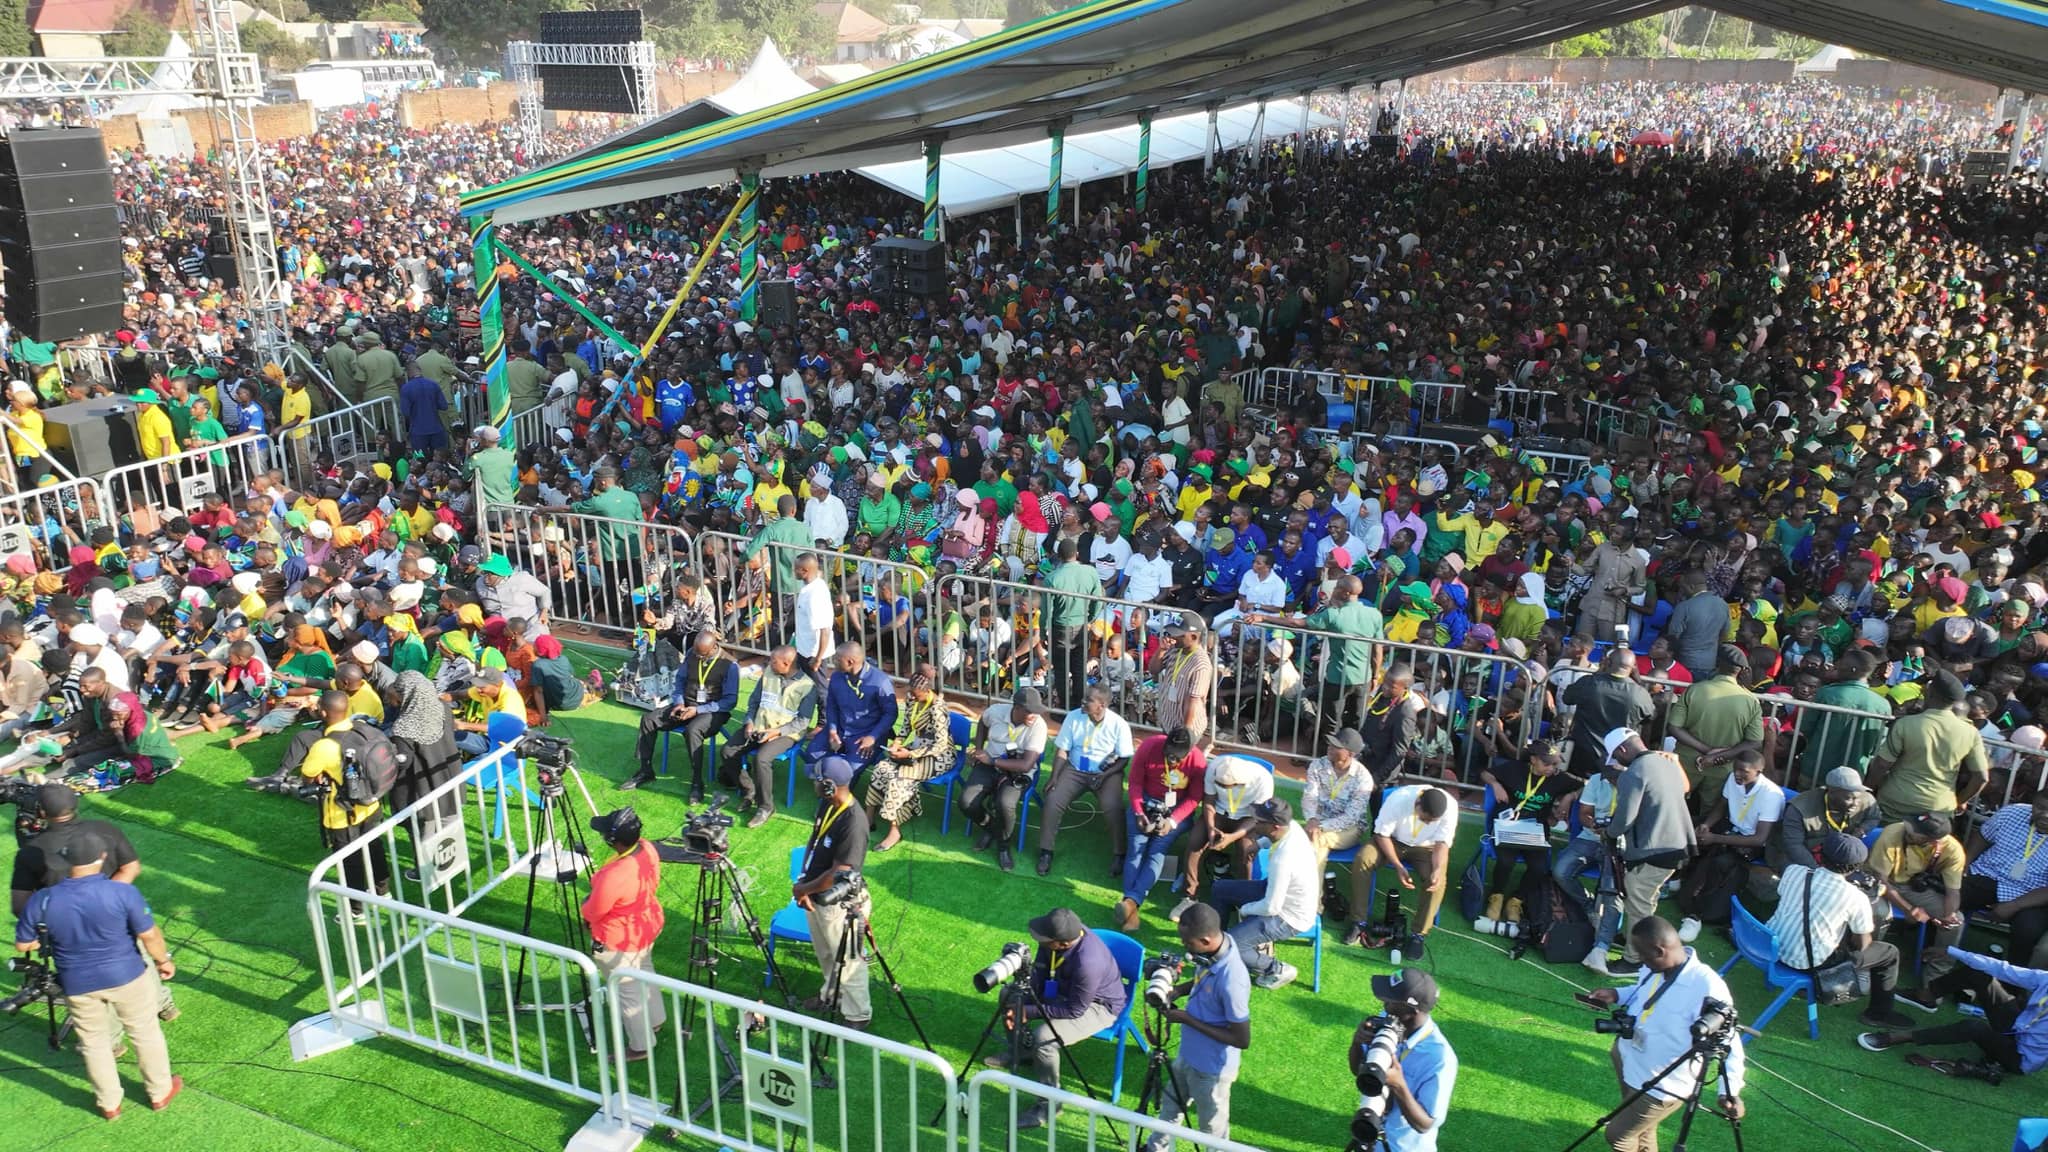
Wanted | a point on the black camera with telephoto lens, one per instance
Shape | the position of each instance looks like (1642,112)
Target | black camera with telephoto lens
(1011,961)
(1619,1023)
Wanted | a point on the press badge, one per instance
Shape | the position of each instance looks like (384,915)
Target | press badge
(2018,871)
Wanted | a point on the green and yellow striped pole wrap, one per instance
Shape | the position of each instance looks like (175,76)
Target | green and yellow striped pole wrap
(1144,159)
(491,322)
(931,188)
(750,244)
(1052,183)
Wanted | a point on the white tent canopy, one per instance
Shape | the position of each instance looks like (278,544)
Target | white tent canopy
(1825,59)
(769,80)
(150,103)
(989,178)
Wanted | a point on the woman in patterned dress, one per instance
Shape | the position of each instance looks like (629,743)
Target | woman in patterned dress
(922,749)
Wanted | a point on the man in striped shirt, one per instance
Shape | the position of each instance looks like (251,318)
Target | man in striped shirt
(1822,917)
(2008,873)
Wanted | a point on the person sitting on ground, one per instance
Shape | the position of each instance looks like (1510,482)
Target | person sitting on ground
(1731,837)
(1823,918)
(297,680)
(2011,1035)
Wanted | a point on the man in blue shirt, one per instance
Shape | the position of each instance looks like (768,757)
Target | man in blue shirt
(420,404)
(1215,1024)
(1426,1070)
(702,698)
(1077,980)
(860,711)
(92,925)
(2012,1033)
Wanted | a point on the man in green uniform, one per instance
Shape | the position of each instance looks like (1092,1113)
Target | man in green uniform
(494,467)
(378,371)
(526,381)
(341,367)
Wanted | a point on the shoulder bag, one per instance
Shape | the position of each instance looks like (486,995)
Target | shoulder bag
(1832,983)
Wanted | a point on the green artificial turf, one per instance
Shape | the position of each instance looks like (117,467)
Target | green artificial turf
(225,871)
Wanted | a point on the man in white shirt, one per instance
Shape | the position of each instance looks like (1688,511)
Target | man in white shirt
(1279,906)
(1091,753)
(90,642)
(1231,790)
(1740,824)
(1822,918)
(812,636)
(1109,551)
(825,514)
(1667,998)
(1148,573)
(1413,834)
(1013,738)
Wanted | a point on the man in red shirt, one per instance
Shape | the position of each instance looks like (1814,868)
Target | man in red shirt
(1166,784)
(625,917)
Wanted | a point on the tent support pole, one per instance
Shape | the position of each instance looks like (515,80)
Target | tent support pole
(1259,138)
(1209,142)
(750,244)
(1302,137)
(483,258)
(553,287)
(704,259)
(1018,206)
(1144,172)
(1052,180)
(932,148)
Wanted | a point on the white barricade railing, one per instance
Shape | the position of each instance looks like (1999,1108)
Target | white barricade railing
(178,482)
(1524,405)
(408,964)
(530,430)
(995,1100)
(341,436)
(45,522)
(93,360)
(598,569)
(299,359)
(878,604)
(1456,449)
(1564,467)
(752,1077)
(1607,423)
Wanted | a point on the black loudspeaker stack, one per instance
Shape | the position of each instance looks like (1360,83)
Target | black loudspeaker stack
(911,266)
(1384,144)
(60,234)
(220,252)
(778,303)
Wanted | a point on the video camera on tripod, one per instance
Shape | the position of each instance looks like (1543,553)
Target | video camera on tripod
(28,808)
(552,757)
(38,978)
(1379,1054)
(704,838)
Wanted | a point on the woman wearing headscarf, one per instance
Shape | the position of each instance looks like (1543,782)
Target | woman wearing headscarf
(1522,617)
(84,570)
(920,750)
(408,651)
(420,722)
(560,690)
(519,658)
(140,739)
(458,661)
(962,541)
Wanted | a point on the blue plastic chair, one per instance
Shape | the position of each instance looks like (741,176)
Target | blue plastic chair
(1755,943)
(961,729)
(1130,964)
(2030,1135)
(500,729)
(1313,933)
(790,922)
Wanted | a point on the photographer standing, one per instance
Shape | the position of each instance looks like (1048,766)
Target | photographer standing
(1650,827)
(94,926)
(1420,1080)
(625,918)
(1661,1008)
(834,898)
(1077,979)
(1215,1024)
(343,823)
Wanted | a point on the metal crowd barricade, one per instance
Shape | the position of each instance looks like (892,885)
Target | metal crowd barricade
(1456,449)
(45,522)
(1563,467)
(1607,423)
(1433,401)
(980,663)
(176,483)
(93,360)
(1525,405)
(599,569)
(410,965)
(882,605)
(341,435)
(995,1099)
(2018,772)
(528,428)
(738,1073)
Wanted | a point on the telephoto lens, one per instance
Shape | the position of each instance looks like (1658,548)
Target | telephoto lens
(1013,958)
(1381,1052)
(1160,976)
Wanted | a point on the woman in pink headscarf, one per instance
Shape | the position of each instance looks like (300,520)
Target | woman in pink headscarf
(962,542)
(85,568)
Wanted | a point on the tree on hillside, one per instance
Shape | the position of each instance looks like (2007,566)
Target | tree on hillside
(1020,11)
(14,39)
(137,33)
(279,50)
(484,26)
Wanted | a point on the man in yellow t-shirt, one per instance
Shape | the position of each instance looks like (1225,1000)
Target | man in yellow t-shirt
(495,692)
(362,699)
(153,426)
(342,823)
(25,438)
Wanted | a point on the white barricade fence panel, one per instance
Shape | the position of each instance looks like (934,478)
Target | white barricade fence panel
(600,570)
(1525,406)
(995,1099)
(343,436)
(93,360)
(880,604)
(752,1077)
(43,523)
(530,429)
(1456,449)
(177,484)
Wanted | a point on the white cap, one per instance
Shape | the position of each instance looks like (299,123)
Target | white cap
(364,650)
(426,565)
(88,634)
(320,530)
(1617,738)
(246,582)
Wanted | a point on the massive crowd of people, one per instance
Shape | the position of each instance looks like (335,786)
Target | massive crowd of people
(1575,447)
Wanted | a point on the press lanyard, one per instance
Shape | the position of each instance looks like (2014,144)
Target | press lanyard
(1828,815)
(2030,1021)
(825,820)
(2032,847)
(1749,802)
(917,715)
(1053,965)
(853,685)
(1174,676)
(1522,801)
(1409,1044)
(704,668)
(1650,1006)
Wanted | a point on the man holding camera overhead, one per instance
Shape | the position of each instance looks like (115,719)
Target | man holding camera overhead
(1215,1024)
(1424,1071)
(1653,1029)
(1077,980)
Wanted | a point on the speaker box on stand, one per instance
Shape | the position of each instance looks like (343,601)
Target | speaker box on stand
(778,303)
(60,234)
(93,437)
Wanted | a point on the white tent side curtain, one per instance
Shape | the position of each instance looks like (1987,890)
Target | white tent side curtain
(981,180)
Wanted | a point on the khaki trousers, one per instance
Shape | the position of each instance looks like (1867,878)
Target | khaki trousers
(1361,877)
(1415,856)
(829,925)
(642,1011)
(100,1017)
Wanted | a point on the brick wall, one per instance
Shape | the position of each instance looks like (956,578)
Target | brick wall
(1885,74)
(433,106)
(273,122)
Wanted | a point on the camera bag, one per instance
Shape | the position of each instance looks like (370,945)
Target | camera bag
(1554,923)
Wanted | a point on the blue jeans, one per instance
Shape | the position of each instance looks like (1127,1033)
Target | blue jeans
(1605,911)
(1147,856)
(472,743)
(1251,931)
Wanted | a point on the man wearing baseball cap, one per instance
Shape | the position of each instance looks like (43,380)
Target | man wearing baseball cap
(1651,825)
(625,918)
(1076,978)
(1842,804)
(1823,918)
(1279,906)
(1921,865)
(1420,1081)
(834,899)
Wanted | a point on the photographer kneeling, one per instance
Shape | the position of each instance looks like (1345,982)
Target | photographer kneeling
(1654,1029)
(1076,978)
(1215,1024)
(833,896)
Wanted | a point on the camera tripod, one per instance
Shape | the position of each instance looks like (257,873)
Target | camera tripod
(855,939)
(1160,1078)
(1018,993)
(1711,1051)
(39,983)
(568,855)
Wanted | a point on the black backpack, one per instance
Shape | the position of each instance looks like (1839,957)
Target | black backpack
(370,763)
(1553,923)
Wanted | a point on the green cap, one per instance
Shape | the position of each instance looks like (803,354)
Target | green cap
(496,566)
